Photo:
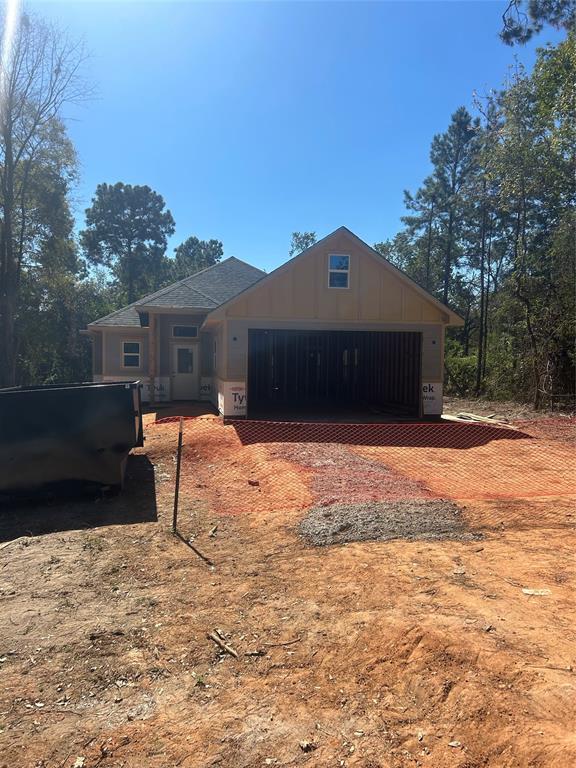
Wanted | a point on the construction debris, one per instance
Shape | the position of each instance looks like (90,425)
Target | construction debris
(465,416)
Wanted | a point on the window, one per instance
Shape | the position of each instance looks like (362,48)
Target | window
(184,331)
(338,270)
(131,354)
(144,319)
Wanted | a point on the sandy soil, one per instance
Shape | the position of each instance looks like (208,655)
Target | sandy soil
(398,653)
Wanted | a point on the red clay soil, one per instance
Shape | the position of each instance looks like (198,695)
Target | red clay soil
(506,469)
(373,654)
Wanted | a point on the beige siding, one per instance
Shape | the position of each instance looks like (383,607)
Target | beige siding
(206,354)
(165,323)
(97,354)
(220,340)
(112,347)
(236,333)
(300,291)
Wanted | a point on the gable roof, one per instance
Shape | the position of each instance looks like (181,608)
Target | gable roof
(453,318)
(204,290)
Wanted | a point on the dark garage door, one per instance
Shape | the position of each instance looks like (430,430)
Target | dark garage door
(334,372)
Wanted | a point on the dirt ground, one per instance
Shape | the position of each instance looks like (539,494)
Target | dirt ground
(369,654)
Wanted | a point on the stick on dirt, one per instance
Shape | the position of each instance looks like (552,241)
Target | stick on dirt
(278,645)
(219,642)
(177,485)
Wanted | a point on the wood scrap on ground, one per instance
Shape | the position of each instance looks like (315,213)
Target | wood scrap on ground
(465,416)
(217,638)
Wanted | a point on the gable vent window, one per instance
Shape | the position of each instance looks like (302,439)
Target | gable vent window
(144,319)
(131,354)
(184,331)
(338,271)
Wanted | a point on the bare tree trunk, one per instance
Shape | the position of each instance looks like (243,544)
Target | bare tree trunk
(9,289)
(429,245)
(39,75)
(131,297)
(448,258)
(520,248)
(481,328)
(487,303)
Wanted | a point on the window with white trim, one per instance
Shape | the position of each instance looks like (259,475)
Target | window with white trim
(131,354)
(184,331)
(338,270)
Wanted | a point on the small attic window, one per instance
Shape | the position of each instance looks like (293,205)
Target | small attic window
(144,319)
(338,270)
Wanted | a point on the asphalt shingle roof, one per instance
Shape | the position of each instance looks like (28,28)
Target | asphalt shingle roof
(204,290)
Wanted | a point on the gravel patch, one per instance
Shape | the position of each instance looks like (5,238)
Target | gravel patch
(382,521)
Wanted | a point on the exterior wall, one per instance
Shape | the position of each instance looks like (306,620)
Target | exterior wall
(108,350)
(298,297)
(112,339)
(300,290)
(237,335)
(165,339)
(97,354)
(231,387)
(112,370)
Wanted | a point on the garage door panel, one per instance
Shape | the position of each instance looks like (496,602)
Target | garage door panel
(293,369)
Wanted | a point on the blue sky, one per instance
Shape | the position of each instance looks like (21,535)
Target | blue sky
(255,119)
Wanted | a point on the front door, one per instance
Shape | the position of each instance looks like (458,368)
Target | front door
(185,383)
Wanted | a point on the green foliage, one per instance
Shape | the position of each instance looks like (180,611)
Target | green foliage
(492,232)
(522,20)
(435,224)
(300,241)
(193,255)
(460,369)
(126,231)
(37,167)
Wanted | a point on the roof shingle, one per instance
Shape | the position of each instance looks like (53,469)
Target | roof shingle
(204,290)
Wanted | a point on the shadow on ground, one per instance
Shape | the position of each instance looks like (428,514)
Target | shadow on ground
(430,435)
(39,515)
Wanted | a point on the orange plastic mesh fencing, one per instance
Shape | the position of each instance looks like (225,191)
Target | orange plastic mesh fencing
(351,463)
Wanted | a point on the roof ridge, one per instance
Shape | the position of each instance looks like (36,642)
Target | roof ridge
(230,258)
(247,264)
(182,281)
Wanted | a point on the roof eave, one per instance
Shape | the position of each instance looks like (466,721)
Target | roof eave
(171,310)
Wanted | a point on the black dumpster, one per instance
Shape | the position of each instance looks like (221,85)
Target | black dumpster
(67,435)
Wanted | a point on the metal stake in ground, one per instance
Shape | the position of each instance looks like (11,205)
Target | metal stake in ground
(177,486)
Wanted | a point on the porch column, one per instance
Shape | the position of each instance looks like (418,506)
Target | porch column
(152,369)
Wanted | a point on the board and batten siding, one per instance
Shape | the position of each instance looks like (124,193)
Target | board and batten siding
(237,341)
(300,290)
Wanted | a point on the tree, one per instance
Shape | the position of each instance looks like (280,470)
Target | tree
(423,228)
(500,238)
(300,241)
(126,231)
(40,73)
(521,25)
(193,255)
